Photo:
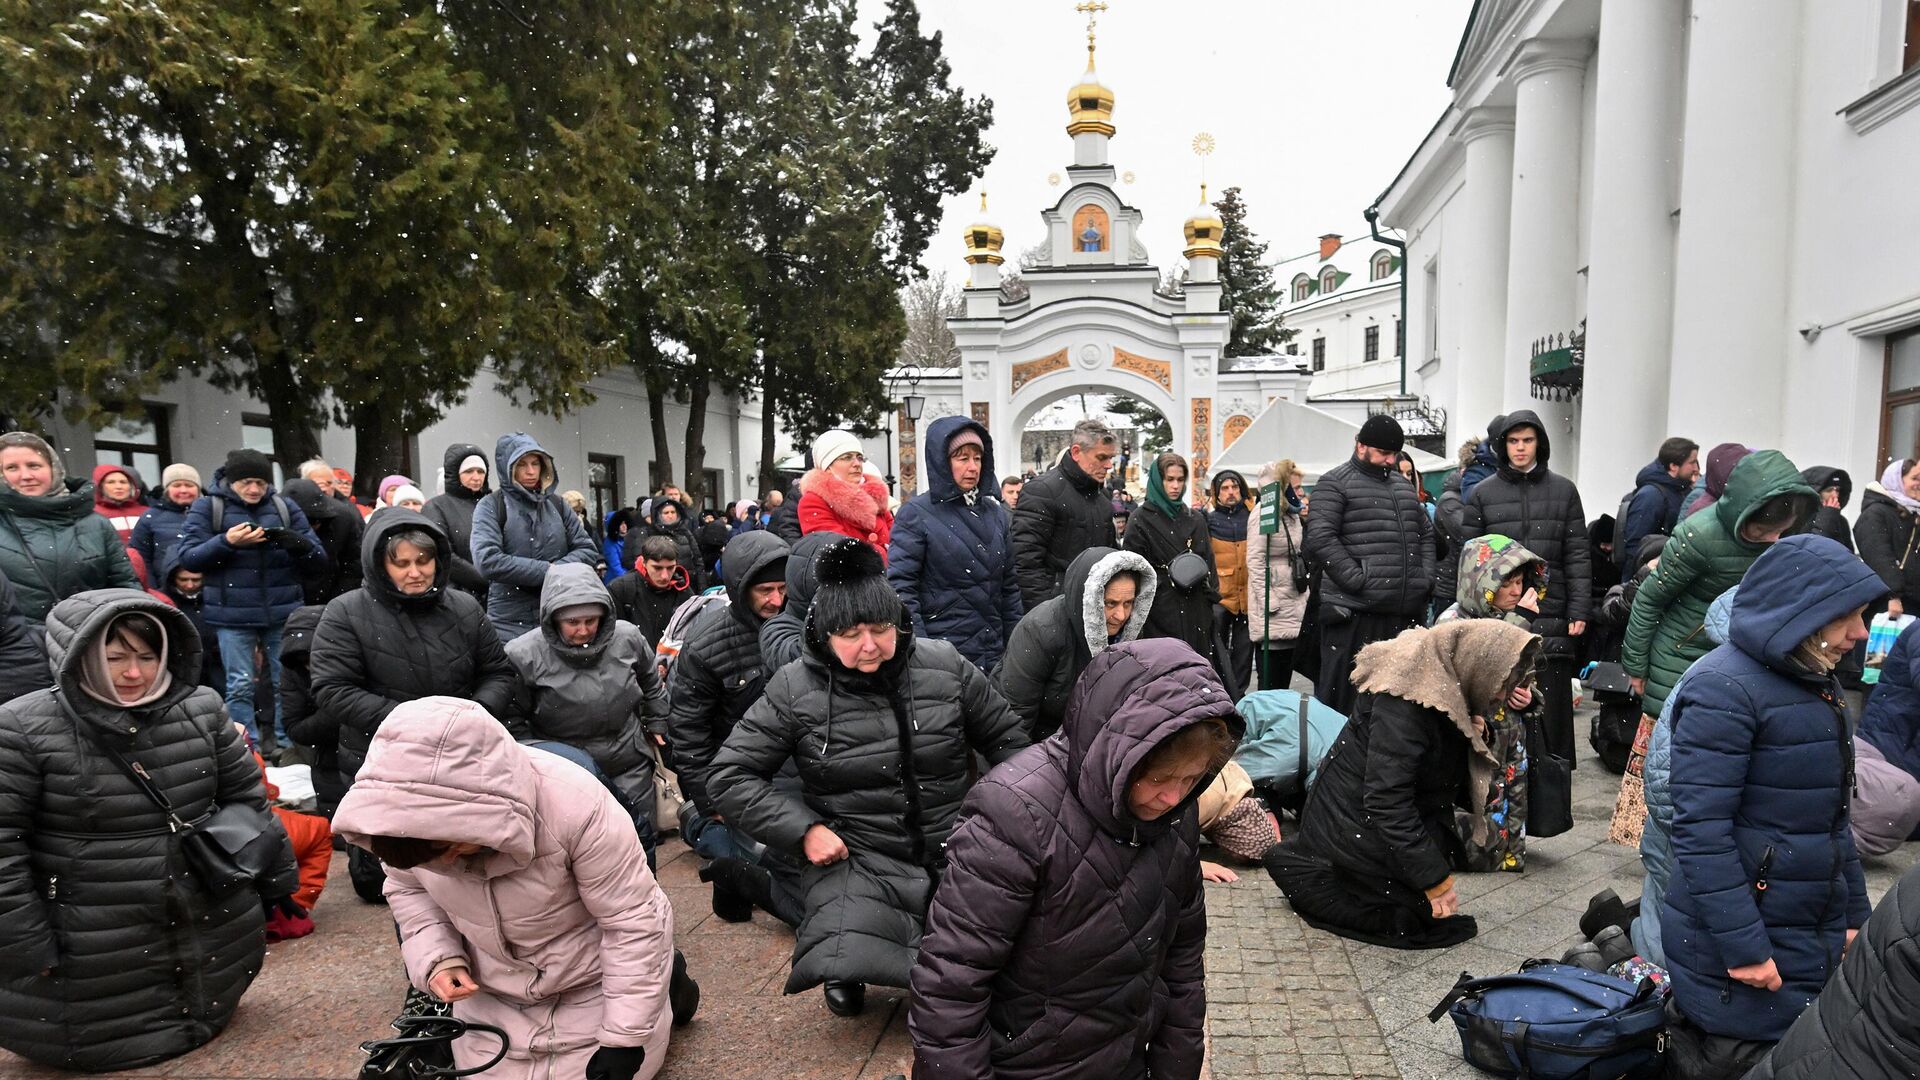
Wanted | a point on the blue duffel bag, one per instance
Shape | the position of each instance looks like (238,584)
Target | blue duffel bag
(1554,1021)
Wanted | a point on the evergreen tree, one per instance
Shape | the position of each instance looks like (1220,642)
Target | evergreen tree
(1248,291)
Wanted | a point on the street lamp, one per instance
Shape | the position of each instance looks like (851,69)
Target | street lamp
(915,405)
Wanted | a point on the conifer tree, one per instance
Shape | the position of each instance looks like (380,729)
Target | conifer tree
(1248,291)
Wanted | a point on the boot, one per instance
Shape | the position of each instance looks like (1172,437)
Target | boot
(730,904)
(1614,946)
(846,998)
(1604,910)
(683,994)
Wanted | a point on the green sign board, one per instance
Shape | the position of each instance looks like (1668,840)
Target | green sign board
(1272,497)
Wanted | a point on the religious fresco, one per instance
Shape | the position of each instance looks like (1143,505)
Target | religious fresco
(1091,229)
(909,459)
(982,413)
(1027,371)
(1159,371)
(1202,438)
(1235,427)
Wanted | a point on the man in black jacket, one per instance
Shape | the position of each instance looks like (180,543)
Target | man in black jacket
(1374,543)
(1063,512)
(1541,509)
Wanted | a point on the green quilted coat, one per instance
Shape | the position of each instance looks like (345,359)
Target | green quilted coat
(1705,558)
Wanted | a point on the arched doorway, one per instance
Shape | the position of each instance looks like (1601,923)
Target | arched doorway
(1143,429)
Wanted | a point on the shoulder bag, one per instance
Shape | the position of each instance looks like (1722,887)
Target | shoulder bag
(232,847)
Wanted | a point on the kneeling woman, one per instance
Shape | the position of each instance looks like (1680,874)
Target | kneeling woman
(1378,842)
(1067,937)
(521,893)
(882,726)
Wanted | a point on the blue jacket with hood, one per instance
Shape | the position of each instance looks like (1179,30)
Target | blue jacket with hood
(951,557)
(254,587)
(1892,720)
(539,531)
(1654,508)
(1765,865)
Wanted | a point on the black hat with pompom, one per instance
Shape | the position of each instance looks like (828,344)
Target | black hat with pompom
(853,589)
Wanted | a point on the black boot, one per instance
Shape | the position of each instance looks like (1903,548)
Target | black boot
(730,904)
(846,998)
(683,994)
(1604,910)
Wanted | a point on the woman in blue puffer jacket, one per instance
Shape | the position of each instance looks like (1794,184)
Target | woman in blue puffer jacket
(1767,889)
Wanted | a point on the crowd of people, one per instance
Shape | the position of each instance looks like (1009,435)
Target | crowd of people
(970,745)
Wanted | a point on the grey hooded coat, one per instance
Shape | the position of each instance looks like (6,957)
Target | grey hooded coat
(518,533)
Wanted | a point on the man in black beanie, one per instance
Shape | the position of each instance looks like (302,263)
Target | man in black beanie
(1374,544)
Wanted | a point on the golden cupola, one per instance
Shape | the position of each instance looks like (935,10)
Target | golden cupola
(1204,229)
(984,238)
(1090,105)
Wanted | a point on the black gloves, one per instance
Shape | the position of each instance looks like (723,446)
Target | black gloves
(616,1062)
(295,543)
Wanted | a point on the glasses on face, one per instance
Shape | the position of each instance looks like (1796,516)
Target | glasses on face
(852,634)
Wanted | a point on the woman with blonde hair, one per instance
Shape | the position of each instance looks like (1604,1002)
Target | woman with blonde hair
(1277,585)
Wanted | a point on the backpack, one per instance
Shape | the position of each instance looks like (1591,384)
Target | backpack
(1554,1021)
(673,636)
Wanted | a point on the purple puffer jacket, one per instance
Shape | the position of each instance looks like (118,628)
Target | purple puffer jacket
(561,924)
(1066,938)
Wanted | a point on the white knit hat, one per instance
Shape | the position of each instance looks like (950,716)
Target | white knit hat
(830,446)
(403,492)
(472,461)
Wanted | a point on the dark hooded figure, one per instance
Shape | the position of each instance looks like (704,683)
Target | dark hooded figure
(883,727)
(464,478)
(521,530)
(1836,490)
(668,518)
(1106,602)
(338,528)
(783,637)
(1713,479)
(1067,935)
(950,556)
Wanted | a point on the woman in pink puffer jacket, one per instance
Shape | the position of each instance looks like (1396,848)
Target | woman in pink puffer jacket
(521,893)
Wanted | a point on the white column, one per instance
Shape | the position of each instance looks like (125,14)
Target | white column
(1549,77)
(1477,254)
(1731,261)
(1636,151)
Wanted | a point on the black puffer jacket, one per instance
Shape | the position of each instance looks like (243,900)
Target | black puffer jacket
(1372,539)
(146,965)
(452,510)
(1542,510)
(1861,1026)
(376,647)
(23,664)
(685,544)
(1054,643)
(720,672)
(785,522)
(783,637)
(339,529)
(1066,939)
(307,724)
(1061,513)
(1889,539)
(884,760)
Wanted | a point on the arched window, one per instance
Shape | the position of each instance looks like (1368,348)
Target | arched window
(1302,288)
(1329,280)
(1382,265)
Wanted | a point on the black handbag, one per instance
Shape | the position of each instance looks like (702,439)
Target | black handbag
(1188,571)
(233,847)
(424,1048)
(1296,564)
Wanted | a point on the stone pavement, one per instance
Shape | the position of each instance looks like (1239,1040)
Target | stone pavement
(1285,1000)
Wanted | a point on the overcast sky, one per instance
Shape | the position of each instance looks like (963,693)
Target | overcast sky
(1314,106)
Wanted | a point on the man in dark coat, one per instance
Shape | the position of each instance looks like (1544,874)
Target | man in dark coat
(1654,506)
(1063,512)
(338,527)
(1067,938)
(785,521)
(783,637)
(656,587)
(1531,503)
(1374,543)
(463,483)
(23,662)
(951,553)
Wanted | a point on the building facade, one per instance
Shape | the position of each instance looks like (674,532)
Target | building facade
(1645,218)
(1343,302)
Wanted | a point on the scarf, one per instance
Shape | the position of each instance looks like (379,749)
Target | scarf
(1157,493)
(97,682)
(1895,490)
(1293,497)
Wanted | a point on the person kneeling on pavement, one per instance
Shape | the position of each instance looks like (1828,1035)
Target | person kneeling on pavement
(883,727)
(1379,838)
(1071,917)
(521,894)
(591,692)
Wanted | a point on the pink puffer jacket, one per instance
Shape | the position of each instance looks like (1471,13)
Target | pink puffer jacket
(565,930)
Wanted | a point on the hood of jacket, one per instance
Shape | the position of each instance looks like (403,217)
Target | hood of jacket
(802,582)
(450,472)
(1721,461)
(1132,698)
(1463,669)
(1485,562)
(101,472)
(1650,549)
(1230,523)
(1543,454)
(306,495)
(1756,478)
(1821,477)
(444,769)
(745,557)
(373,556)
(1797,586)
(655,507)
(296,639)
(569,585)
(1085,592)
(940,483)
(513,447)
(1655,473)
(76,624)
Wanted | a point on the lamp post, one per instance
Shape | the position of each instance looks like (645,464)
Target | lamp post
(913,404)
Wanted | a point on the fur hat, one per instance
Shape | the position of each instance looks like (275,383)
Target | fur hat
(853,590)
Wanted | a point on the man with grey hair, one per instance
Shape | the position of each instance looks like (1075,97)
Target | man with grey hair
(1063,512)
(318,471)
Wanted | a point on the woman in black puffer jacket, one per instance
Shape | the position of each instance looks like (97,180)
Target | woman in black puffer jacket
(1066,939)
(1162,530)
(463,483)
(882,727)
(1888,533)
(112,955)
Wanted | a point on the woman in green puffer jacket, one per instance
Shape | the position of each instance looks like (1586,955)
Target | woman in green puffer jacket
(52,544)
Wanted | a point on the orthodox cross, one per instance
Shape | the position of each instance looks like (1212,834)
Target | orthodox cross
(1092,8)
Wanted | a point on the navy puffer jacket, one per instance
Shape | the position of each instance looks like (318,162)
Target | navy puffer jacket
(249,587)
(951,559)
(1762,764)
(1892,719)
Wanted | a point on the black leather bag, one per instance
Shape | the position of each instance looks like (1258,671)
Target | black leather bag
(231,848)
(424,1048)
(1187,571)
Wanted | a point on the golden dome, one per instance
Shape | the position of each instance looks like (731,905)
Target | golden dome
(1090,106)
(984,238)
(1204,229)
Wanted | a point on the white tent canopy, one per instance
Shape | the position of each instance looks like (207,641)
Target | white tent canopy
(1316,441)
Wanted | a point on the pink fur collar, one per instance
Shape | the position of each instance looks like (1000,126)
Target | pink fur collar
(858,506)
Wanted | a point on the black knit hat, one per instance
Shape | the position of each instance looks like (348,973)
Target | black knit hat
(247,465)
(1382,432)
(853,589)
